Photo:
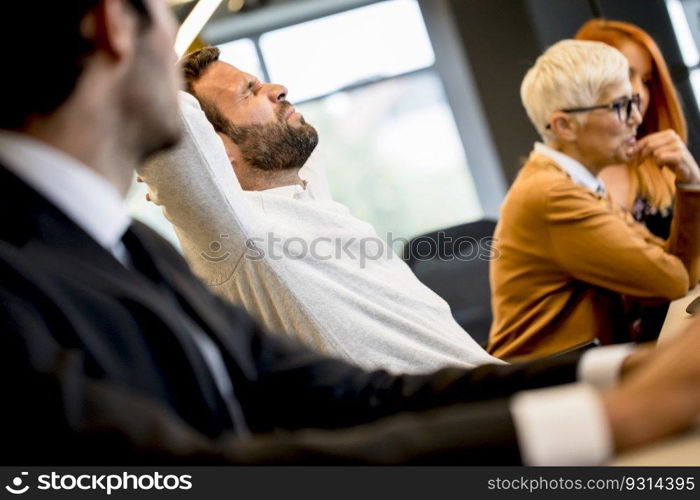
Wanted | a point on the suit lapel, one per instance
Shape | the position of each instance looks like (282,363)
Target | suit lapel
(194,299)
(43,232)
(36,222)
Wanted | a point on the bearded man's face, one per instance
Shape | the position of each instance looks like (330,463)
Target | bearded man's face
(270,134)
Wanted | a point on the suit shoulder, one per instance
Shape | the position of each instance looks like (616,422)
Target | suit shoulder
(154,240)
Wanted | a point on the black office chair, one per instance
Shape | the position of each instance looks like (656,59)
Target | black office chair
(454,263)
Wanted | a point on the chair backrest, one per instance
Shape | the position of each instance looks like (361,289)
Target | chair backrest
(454,263)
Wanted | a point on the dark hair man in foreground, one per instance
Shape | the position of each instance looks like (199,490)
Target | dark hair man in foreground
(112,351)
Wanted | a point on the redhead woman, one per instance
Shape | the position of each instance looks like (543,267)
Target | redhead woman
(645,188)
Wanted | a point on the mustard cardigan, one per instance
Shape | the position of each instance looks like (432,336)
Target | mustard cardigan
(564,258)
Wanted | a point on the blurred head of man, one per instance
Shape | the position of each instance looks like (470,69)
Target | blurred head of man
(267,132)
(94,74)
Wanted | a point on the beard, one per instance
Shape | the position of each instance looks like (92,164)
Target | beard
(269,147)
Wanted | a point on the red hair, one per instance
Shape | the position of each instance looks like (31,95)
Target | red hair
(655,183)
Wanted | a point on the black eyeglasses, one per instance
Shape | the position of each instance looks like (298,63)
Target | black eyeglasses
(618,105)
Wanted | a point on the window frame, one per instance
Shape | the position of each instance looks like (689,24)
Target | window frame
(257,35)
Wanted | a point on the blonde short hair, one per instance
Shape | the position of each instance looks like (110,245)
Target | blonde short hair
(570,74)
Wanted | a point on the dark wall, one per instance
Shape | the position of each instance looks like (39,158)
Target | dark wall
(504,37)
(500,42)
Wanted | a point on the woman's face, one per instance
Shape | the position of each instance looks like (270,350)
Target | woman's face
(603,139)
(640,69)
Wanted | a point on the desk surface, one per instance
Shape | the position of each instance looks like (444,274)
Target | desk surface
(683,450)
(677,318)
(680,450)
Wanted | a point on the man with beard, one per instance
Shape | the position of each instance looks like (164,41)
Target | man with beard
(267,240)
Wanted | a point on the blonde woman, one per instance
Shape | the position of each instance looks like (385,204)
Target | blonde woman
(567,255)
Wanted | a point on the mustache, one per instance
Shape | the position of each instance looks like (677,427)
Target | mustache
(283,109)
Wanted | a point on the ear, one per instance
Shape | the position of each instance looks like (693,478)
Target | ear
(232,150)
(112,27)
(564,127)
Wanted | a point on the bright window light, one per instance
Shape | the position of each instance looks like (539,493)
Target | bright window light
(192,26)
(695,83)
(687,44)
(242,54)
(321,56)
(392,153)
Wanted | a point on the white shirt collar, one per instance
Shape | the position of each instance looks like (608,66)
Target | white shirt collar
(80,193)
(578,173)
(296,191)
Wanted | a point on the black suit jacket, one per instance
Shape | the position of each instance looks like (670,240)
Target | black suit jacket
(97,365)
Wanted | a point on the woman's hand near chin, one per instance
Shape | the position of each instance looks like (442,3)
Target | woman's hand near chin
(667,148)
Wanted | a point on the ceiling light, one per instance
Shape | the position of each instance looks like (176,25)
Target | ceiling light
(192,26)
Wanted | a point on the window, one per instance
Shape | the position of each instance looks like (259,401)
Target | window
(392,154)
(688,36)
(328,54)
(242,54)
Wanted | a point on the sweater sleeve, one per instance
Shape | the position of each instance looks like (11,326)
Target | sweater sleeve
(199,193)
(599,246)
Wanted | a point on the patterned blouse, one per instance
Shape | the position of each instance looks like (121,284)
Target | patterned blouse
(656,222)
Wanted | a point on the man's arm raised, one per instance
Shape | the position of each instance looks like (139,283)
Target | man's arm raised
(198,190)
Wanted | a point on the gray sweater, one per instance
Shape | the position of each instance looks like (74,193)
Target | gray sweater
(300,263)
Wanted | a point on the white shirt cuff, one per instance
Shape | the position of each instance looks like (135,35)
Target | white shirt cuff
(601,367)
(563,425)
